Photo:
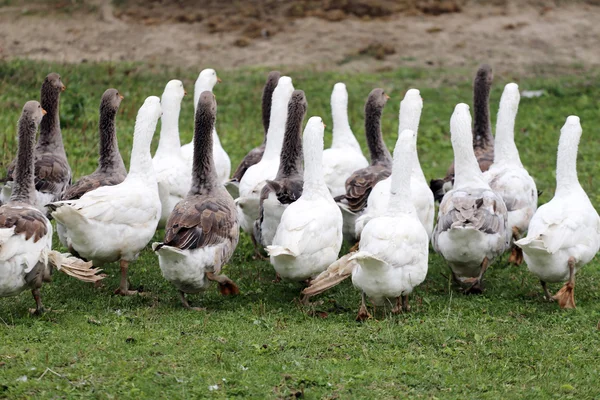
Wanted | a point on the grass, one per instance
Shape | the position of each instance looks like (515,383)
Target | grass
(505,343)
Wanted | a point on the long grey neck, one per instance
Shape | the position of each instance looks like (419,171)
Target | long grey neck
(290,160)
(110,158)
(379,152)
(50,134)
(482,126)
(204,174)
(24,187)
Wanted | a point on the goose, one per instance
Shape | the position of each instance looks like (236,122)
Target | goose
(255,155)
(257,175)
(422,197)
(506,175)
(114,223)
(472,225)
(564,234)
(309,236)
(483,141)
(286,188)
(52,170)
(172,170)
(344,156)
(362,181)
(111,169)
(202,232)
(206,81)
(392,258)
(26,258)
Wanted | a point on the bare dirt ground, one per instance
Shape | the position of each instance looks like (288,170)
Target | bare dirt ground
(517,36)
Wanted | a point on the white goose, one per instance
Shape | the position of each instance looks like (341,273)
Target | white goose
(26,258)
(256,176)
(506,175)
(203,231)
(206,81)
(564,234)
(309,236)
(173,173)
(114,223)
(422,196)
(472,227)
(344,156)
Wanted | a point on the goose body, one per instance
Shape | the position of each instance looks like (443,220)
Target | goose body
(360,184)
(422,197)
(255,178)
(111,169)
(202,232)
(255,155)
(309,236)
(26,258)
(114,223)
(344,156)
(506,175)
(483,141)
(173,172)
(472,226)
(564,234)
(52,170)
(286,188)
(207,81)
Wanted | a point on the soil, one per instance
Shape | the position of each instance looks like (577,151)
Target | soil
(348,35)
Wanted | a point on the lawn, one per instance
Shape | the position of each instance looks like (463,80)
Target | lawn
(505,343)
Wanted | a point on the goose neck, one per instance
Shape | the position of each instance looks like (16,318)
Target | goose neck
(141,159)
(377,148)
(204,175)
(482,128)
(276,129)
(567,180)
(110,158)
(169,131)
(24,187)
(50,133)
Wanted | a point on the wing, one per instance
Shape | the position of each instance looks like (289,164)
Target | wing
(92,182)
(52,174)
(253,157)
(26,220)
(482,210)
(360,184)
(200,221)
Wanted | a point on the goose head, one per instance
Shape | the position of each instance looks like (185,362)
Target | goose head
(33,111)
(53,83)
(207,79)
(377,100)
(111,99)
(174,89)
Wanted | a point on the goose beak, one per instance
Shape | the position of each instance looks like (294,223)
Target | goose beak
(44,112)
(185,92)
(219,79)
(121,96)
(387,97)
(63,88)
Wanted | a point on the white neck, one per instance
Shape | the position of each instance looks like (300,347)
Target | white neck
(169,130)
(505,150)
(566,162)
(404,157)
(466,167)
(409,118)
(141,159)
(342,133)
(312,142)
(281,97)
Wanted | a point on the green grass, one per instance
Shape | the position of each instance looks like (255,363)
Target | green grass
(505,343)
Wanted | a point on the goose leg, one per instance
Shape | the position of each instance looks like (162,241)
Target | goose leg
(186,305)
(547,293)
(516,254)
(398,308)
(257,253)
(363,313)
(566,295)
(123,289)
(39,307)
(405,305)
(226,285)
(476,287)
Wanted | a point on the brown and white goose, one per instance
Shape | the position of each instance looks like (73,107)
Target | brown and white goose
(26,258)
(202,231)
(362,181)
(255,155)
(483,141)
(52,171)
(286,188)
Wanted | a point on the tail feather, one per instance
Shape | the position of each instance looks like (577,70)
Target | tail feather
(332,276)
(73,266)
(280,251)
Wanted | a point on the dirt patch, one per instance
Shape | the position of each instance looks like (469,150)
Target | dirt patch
(357,35)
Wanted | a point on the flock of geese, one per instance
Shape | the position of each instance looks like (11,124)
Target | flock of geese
(296,200)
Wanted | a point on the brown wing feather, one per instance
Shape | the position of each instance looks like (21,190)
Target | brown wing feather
(52,174)
(200,221)
(360,184)
(91,182)
(25,220)
(484,211)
